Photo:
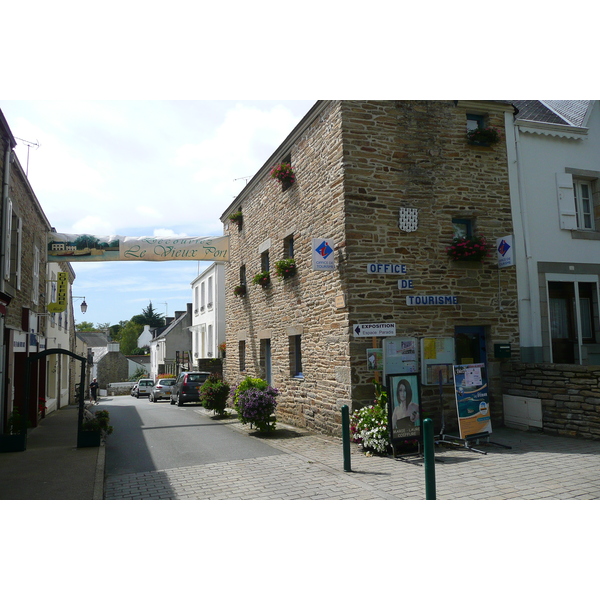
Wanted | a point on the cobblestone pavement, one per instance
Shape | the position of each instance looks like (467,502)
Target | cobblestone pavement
(537,466)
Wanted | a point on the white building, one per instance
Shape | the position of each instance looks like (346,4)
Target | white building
(171,346)
(555,191)
(208,315)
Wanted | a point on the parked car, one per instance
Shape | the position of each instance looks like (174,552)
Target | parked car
(161,390)
(133,390)
(143,388)
(187,387)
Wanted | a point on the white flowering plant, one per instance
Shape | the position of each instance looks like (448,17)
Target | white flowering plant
(369,425)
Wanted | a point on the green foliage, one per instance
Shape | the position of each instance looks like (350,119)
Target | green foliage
(214,393)
(285,268)
(369,425)
(85,326)
(262,278)
(16,422)
(129,337)
(139,374)
(255,403)
(100,422)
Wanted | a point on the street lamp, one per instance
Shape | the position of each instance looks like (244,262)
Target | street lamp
(83,304)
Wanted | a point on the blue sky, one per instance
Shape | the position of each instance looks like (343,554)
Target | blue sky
(143,168)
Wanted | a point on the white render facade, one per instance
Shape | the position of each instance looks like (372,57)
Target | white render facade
(208,314)
(555,191)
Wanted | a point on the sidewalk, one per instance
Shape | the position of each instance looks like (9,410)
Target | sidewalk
(52,467)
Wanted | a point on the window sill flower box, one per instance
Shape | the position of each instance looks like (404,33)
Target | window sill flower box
(483,136)
(263,279)
(237,218)
(471,249)
(283,172)
(285,268)
(239,291)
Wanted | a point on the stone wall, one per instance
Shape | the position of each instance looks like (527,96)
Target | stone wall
(113,367)
(569,394)
(357,164)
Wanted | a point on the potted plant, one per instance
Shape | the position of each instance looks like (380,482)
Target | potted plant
(237,218)
(285,268)
(283,172)
(483,136)
(471,248)
(223,348)
(42,407)
(94,428)
(15,438)
(263,279)
(239,290)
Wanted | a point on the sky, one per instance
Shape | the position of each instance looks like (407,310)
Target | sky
(143,167)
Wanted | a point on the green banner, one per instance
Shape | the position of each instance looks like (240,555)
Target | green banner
(68,247)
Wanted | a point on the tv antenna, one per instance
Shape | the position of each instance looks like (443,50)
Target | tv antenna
(29,145)
(246,178)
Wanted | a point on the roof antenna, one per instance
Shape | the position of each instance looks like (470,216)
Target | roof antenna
(29,145)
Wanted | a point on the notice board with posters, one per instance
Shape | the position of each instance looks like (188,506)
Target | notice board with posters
(471,389)
(400,355)
(437,358)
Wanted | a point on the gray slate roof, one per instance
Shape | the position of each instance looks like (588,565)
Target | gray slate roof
(559,112)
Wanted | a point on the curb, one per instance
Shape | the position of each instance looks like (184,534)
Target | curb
(99,480)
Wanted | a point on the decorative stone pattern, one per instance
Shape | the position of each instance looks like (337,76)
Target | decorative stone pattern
(570,395)
(357,164)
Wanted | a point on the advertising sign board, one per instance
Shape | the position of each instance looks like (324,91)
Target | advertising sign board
(471,389)
(404,407)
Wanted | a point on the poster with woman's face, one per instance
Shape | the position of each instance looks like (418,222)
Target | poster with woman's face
(404,406)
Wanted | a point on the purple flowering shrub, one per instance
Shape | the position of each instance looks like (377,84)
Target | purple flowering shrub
(256,405)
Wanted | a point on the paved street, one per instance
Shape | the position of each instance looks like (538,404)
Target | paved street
(310,467)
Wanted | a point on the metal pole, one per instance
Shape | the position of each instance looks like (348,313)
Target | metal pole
(429,456)
(346,437)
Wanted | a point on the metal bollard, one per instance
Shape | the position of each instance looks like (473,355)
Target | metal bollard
(429,456)
(346,437)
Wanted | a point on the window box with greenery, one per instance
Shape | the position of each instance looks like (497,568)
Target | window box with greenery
(237,218)
(483,136)
(286,268)
(263,279)
(240,290)
(283,172)
(472,248)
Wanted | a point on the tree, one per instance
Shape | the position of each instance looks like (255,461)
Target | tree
(86,326)
(129,337)
(149,317)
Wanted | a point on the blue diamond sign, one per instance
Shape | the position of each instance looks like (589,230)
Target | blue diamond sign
(504,251)
(323,257)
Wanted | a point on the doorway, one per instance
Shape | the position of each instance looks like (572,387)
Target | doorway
(469,344)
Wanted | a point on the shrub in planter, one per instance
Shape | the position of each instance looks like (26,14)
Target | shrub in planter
(283,172)
(239,290)
(237,218)
(214,393)
(99,421)
(255,403)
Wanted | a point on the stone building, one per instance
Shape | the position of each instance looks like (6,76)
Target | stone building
(386,183)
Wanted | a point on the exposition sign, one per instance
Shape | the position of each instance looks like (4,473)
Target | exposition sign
(66,247)
(471,388)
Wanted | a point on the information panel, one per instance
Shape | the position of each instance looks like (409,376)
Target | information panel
(400,355)
(437,358)
(471,389)
(404,406)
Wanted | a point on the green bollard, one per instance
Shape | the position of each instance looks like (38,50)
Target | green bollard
(429,456)
(346,437)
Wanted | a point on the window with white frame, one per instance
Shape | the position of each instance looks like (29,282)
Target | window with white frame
(584,203)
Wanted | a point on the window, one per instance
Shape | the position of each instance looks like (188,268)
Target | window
(243,275)
(475,121)
(288,247)
(264,261)
(584,204)
(462,228)
(242,354)
(35,284)
(296,356)
(202,295)
(210,293)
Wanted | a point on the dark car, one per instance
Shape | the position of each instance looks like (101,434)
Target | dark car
(187,387)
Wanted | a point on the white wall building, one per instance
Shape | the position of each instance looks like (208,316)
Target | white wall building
(555,191)
(170,343)
(208,315)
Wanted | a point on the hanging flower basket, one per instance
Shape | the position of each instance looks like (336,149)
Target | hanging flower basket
(283,172)
(483,136)
(263,279)
(239,290)
(474,248)
(237,218)
(285,268)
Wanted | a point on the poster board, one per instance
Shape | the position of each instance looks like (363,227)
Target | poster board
(437,357)
(400,355)
(471,389)
(404,407)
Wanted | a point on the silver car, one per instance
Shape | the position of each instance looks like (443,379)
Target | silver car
(162,390)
